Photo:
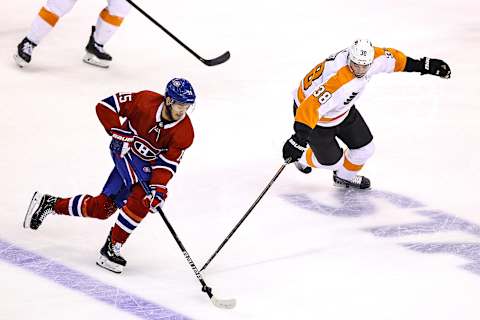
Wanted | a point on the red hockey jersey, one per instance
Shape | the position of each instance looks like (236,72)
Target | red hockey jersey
(156,142)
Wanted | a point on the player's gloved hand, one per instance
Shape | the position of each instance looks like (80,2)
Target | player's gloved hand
(294,148)
(121,141)
(435,67)
(156,198)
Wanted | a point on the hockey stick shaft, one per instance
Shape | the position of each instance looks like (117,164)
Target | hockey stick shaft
(147,190)
(247,213)
(209,62)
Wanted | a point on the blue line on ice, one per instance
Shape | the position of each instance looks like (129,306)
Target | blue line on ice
(85,284)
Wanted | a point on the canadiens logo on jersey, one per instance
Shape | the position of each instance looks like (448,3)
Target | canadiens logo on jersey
(145,150)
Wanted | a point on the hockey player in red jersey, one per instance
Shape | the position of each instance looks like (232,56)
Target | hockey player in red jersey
(109,20)
(324,108)
(154,135)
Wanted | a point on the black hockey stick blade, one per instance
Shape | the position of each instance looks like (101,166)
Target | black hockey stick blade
(216,61)
(209,62)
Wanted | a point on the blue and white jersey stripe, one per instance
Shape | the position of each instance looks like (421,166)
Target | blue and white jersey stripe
(111,103)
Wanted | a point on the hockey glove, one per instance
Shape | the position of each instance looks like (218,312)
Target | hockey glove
(435,67)
(121,141)
(156,199)
(294,148)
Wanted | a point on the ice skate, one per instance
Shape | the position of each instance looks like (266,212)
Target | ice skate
(110,257)
(40,207)
(23,56)
(358,182)
(303,168)
(96,55)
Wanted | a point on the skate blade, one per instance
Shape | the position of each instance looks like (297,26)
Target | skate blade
(107,264)
(94,61)
(341,185)
(37,196)
(347,187)
(19,61)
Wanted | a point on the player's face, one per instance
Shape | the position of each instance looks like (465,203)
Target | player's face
(179,110)
(357,69)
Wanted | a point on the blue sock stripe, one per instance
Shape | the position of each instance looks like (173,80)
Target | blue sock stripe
(124,222)
(75,206)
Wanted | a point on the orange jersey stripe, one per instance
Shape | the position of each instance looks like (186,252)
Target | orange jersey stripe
(113,20)
(307,112)
(309,157)
(48,16)
(400,58)
(378,52)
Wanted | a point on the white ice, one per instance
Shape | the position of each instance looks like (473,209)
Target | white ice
(287,261)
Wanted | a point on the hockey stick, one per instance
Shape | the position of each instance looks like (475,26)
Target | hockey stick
(247,213)
(209,62)
(220,303)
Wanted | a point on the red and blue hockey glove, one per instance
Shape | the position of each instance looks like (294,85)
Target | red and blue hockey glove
(156,199)
(121,141)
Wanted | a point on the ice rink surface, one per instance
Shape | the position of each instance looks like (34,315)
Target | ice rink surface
(409,248)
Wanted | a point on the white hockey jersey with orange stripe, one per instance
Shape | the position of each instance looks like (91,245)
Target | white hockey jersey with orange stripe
(329,90)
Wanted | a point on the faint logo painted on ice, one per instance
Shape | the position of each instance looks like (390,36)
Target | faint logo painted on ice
(358,204)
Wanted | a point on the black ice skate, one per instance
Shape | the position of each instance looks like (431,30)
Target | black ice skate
(110,257)
(40,207)
(24,52)
(358,182)
(303,168)
(95,54)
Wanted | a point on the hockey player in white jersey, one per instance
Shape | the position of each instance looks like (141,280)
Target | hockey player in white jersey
(109,20)
(324,108)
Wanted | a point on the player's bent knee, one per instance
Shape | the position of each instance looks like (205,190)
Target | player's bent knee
(101,207)
(109,208)
(361,155)
(60,7)
(119,8)
(327,160)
